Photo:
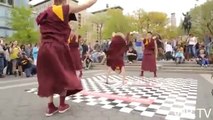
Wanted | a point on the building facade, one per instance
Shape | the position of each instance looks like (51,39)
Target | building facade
(5,9)
(41,6)
(98,27)
(173,19)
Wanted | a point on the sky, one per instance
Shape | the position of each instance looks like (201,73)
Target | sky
(167,6)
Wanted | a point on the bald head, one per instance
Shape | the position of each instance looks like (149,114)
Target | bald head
(60,2)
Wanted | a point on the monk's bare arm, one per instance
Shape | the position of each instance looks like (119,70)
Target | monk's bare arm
(76,9)
(156,49)
(142,46)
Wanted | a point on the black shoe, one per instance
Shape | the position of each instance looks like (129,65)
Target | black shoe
(2,76)
(19,73)
(15,74)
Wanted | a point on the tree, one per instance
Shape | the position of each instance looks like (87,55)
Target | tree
(141,20)
(117,22)
(202,19)
(84,29)
(98,21)
(151,21)
(171,32)
(22,23)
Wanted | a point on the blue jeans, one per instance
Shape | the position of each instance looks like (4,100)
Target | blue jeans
(95,57)
(1,65)
(207,47)
(204,61)
(30,71)
(192,50)
(179,59)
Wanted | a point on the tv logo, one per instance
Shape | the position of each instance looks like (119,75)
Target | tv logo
(206,112)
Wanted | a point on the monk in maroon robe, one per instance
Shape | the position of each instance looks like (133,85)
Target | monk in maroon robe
(149,55)
(74,51)
(115,55)
(56,72)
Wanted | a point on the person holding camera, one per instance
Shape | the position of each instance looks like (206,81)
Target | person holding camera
(25,64)
(2,57)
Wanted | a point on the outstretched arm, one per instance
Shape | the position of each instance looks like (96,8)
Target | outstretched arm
(156,50)
(184,14)
(78,8)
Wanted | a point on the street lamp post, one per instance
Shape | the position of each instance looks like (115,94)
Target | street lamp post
(196,1)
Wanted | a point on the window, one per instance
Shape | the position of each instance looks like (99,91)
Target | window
(10,2)
(79,21)
(2,1)
(7,2)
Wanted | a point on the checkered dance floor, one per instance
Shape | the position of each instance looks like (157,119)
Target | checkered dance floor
(169,98)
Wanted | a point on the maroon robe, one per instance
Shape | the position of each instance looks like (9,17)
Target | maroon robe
(115,53)
(74,51)
(56,71)
(149,60)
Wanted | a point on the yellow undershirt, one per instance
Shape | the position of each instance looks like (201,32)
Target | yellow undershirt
(58,10)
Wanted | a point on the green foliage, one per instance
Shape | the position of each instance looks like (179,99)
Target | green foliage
(113,20)
(202,19)
(171,32)
(22,23)
(98,20)
(151,21)
(84,29)
(117,22)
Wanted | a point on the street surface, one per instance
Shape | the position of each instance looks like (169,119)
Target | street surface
(171,96)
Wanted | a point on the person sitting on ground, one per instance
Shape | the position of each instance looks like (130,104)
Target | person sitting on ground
(203,57)
(169,51)
(97,57)
(179,56)
(25,64)
(131,54)
(87,61)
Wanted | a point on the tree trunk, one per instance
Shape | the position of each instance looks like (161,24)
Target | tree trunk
(209,26)
(100,31)
(97,31)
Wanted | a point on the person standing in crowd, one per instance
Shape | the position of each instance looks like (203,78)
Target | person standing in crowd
(2,59)
(7,58)
(28,50)
(115,55)
(96,52)
(35,53)
(85,50)
(207,43)
(14,51)
(97,47)
(9,70)
(150,55)
(192,41)
(160,45)
(104,46)
(74,50)
(55,65)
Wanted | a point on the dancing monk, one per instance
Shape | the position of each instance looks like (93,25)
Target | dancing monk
(55,65)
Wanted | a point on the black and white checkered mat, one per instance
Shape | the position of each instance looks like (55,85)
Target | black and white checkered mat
(170,98)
